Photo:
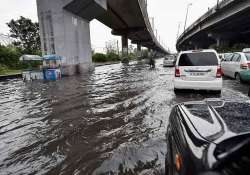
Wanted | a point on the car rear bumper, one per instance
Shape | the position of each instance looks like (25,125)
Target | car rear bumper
(214,85)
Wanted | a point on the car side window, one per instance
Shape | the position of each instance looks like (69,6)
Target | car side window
(236,57)
(239,58)
(228,58)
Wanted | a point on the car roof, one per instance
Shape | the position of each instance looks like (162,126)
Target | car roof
(212,117)
(198,51)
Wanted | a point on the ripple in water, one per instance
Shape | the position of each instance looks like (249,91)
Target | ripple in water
(112,121)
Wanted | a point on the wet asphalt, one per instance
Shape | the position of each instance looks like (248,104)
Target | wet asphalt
(111,121)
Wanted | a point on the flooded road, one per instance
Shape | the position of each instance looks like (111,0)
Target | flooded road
(112,121)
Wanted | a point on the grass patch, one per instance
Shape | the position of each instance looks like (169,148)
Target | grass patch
(4,70)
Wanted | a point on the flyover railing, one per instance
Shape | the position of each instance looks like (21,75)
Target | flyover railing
(210,12)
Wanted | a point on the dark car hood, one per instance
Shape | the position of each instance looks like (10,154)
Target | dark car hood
(216,118)
(236,116)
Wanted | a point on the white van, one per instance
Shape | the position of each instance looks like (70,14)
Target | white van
(198,70)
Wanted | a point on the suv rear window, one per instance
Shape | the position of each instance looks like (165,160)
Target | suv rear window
(198,59)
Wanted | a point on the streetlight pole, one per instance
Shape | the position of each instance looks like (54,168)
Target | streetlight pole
(217,4)
(187,15)
(178,31)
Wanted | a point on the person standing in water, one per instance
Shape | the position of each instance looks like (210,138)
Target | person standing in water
(152,63)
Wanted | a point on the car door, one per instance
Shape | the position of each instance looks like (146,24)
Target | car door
(234,65)
(238,63)
(225,64)
(174,143)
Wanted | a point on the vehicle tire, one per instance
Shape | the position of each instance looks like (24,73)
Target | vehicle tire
(176,91)
(237,77)
(217,92)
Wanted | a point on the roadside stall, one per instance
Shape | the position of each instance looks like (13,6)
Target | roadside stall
(52,67)
(34,70)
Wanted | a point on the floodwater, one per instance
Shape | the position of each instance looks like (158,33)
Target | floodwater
(112,121)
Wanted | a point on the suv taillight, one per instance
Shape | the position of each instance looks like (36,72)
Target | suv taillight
(219,72)
(177,72)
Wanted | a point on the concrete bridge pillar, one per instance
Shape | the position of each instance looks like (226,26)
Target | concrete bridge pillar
(125,48)
(139,53)
(221,42)
(65,34)
(218,41)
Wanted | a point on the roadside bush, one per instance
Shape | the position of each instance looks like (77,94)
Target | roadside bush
(131,56)
(240,46)
(113,57)
(9,56)
(99,57)
(3,69)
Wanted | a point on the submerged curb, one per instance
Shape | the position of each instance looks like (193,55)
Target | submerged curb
(11,76)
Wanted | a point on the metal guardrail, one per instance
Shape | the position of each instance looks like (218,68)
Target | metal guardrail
(212,11)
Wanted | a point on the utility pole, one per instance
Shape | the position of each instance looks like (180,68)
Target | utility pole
(187,15)
(153,23)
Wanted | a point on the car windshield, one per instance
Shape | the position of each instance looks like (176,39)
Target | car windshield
(247,56)
(198,59)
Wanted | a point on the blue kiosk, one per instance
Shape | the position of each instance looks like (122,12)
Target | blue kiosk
(52,67)
(47,67)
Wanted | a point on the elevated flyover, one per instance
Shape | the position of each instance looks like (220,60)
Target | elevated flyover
(225,24)
(65,27)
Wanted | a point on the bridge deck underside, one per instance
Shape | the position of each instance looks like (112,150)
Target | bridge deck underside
(124,17)
(128,21)
(234,28)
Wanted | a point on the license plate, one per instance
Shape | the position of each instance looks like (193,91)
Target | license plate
(197,74)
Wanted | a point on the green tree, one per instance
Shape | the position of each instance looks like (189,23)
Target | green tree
(27,34)
(9,56)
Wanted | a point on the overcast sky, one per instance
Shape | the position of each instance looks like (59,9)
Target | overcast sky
(167,14)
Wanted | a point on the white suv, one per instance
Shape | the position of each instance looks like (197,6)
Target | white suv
(198,70)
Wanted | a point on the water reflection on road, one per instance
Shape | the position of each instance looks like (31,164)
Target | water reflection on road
(111,121)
